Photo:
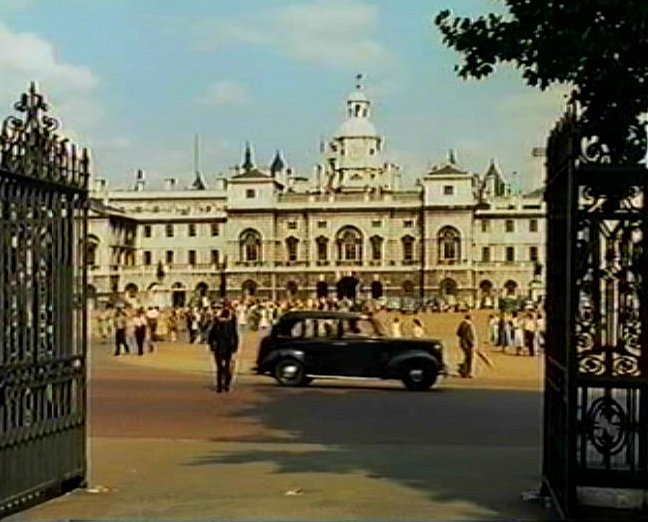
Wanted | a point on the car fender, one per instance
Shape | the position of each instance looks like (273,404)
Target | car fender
(395,363)
(283,353)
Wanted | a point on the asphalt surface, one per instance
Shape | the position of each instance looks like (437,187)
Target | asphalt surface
(165,446)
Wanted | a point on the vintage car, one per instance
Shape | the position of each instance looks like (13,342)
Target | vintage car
(309,345)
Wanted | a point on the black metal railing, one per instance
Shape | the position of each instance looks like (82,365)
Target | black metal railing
(43,211)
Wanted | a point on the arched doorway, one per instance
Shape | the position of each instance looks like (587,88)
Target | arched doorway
(408,287)
(131,290)
(486,294)
(376,290)
(249,288)
(178,295)
(347,287)
(292,288)
(201,289)
(321,289)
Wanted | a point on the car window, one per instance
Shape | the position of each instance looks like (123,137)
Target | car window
(327,328)
(298,329)
(358,328)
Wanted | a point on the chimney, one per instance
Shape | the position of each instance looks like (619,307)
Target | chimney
(140,180)
(170,183)
(100,185)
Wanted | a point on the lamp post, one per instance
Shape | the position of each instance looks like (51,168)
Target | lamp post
(223,278)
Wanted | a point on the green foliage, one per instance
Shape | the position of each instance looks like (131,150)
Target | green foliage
(598,47)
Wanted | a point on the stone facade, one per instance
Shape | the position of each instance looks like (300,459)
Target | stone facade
(271,233)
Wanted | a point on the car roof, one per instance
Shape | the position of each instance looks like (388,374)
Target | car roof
(321,314)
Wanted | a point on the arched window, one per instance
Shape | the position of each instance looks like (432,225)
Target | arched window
(322,248)
(201,289)
(292,287)
(376,248)
(291,248)
(131,290)
(486,287)
(349,242)
(407,243)
(510,287)
(91,251)
(449,242)
(448,287)
(250,245)
(249,287)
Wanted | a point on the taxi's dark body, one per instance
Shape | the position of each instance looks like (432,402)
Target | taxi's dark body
(316,344)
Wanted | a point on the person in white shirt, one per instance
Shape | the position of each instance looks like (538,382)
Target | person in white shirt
(396,328)
(417,330)
(530,327)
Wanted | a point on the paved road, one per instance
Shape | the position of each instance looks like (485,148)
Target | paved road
(165,446)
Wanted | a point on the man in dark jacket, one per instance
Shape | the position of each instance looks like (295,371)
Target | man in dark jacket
(467,342)
(223,342)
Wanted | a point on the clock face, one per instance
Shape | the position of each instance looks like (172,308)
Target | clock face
(355,150)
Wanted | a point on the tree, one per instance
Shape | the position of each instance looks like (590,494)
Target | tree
(598,47)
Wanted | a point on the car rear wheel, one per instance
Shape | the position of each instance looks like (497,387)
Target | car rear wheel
(419,375)
(290,372)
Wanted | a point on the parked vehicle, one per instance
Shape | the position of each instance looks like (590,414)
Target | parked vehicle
(309,345)
(409,305)
(393,305)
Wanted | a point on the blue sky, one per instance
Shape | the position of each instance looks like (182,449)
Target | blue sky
(135,80)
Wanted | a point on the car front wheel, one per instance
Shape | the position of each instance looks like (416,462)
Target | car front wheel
(290,372)
(419,375)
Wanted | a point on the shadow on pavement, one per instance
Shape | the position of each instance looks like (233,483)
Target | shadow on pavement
(473,446)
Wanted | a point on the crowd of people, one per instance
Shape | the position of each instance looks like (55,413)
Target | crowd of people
(138,330)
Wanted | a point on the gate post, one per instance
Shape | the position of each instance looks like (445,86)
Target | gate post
(596,375)
(43,323)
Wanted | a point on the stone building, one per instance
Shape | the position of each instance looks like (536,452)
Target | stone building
(352,229)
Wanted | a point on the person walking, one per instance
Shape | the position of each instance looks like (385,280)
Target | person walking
(139,323)
(467,342)
(417,329)
(172,324)
(121,323)
(223,343)
(396,328)
(518,333)
(530,333)
(493,330)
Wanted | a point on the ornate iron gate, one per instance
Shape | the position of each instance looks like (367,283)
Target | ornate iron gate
(596,383)
(43,195)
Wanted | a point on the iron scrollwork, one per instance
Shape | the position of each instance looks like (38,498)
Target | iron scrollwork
(31,146)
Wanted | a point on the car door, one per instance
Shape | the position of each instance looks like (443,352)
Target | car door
(355,352)
(316,346)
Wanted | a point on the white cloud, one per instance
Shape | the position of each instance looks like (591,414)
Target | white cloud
(334,33)
(26,57)
(15,5)
(225,93)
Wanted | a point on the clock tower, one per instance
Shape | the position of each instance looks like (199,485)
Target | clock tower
(354,157)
